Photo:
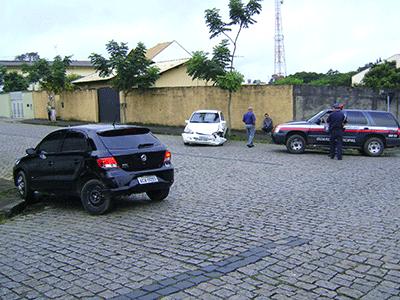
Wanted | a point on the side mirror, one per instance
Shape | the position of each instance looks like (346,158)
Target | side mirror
(187,121)
(30,151)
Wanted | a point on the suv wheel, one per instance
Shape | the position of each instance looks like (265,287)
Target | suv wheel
(158,195)
(374,147)
(23,187)
(296,144)
(93,198)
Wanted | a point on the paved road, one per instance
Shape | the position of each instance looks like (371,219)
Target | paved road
(239,224)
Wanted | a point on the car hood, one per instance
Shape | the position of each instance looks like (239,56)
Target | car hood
(297,123)
(204,128)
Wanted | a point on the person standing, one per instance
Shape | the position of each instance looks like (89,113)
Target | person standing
(267,123)
(49,110)
(249,119)
(336,121)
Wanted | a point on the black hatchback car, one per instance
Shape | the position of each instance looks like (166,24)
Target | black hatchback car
(96,163)
(366,130)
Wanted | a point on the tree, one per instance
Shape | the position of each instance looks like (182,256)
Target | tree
(383,76)
(130,69)
(331,78)
(52,76)
(14,82)
(28,57)
(2,73)
(220,68)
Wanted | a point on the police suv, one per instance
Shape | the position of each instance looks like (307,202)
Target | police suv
(369,131)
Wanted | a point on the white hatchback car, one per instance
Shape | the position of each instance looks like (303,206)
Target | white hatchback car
(205,127)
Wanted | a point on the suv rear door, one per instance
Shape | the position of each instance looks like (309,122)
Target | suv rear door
(357,122)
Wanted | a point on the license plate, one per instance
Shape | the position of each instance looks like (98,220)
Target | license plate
(147,179)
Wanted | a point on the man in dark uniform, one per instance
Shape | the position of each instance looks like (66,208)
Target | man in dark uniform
(336,121)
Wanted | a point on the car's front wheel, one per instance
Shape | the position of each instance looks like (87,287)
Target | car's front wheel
(93,198)
(374,147)
(296,144)
(158,195)
(23,187)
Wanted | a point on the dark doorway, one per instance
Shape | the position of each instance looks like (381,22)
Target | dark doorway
(109,106)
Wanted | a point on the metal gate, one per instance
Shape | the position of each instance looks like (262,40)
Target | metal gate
(109,106)
(17,105)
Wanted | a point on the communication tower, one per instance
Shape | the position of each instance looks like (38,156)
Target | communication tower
(280,63)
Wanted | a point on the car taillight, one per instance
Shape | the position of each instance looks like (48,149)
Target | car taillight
(107,162)
(167,157)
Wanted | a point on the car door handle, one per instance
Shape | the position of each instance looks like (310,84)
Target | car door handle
(76,161)
(366,128)
(51,163)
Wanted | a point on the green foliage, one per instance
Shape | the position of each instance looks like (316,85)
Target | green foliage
(50,75)
(131,69)
(383,76)
(331,78)
(2,73)
(220,68)
(230,81)
(14,82)
(69,86)
(29,57)
(289,81)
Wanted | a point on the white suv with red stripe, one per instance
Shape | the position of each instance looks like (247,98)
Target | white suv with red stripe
(369,131)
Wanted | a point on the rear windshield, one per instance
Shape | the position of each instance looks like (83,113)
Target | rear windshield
(383,119)
(205,118)
(128,138)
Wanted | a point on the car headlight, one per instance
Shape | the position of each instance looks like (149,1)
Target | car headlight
(277,128)
(187,130)
(16,162)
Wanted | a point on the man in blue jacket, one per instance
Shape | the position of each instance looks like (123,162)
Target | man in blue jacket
(336,121)
(249,119)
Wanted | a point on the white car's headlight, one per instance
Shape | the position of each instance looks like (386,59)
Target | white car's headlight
(187,130)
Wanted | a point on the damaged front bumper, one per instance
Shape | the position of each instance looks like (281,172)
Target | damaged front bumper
(204,139)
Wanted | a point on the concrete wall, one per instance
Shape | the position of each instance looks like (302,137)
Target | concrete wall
(5,105)
(309,100)
(40,100)
(172,106)
(78,105)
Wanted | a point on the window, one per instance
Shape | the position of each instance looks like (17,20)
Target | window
(74,141)
(356,118)
(52,142)
(383,119)
(205,118)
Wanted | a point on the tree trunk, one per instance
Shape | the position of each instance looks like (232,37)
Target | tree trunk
(229,113)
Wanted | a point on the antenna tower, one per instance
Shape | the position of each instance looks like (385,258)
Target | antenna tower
(280,63)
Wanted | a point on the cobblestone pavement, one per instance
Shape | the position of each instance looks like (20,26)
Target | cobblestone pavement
(239,224)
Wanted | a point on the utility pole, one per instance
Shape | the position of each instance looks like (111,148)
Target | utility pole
(280,63)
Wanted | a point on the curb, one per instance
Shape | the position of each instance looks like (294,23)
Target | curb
(10,203)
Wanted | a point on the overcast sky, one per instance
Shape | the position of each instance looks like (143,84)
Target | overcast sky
(319,34)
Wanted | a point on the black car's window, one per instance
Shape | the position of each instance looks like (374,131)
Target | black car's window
(383,119)
(52,142)
(204,118)
(356,118)
(129,138)
(74,141)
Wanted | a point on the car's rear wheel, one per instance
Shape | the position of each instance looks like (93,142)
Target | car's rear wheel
(93,198)
(374,147)
(296,144)
(23,187)
(158,195)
